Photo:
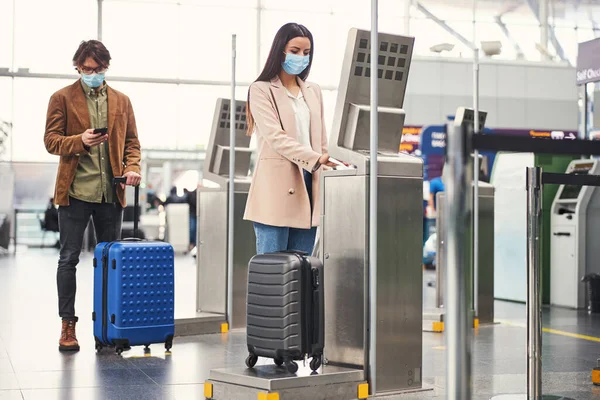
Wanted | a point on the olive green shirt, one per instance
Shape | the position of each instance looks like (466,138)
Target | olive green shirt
(93,177)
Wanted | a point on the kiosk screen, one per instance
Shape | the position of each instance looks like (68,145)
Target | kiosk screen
(571,192)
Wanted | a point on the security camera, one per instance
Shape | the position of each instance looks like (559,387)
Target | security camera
(491,48)
(438,48)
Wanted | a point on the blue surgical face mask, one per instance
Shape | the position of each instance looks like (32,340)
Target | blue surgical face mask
(93,80)
(294,64)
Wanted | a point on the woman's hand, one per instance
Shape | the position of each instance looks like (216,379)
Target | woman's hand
(325,160)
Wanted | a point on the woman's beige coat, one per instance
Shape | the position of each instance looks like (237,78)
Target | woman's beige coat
(278,194)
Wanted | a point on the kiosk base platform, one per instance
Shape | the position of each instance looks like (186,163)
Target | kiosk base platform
(201,324)
(269,382)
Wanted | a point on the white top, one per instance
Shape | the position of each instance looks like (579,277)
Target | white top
(302,113)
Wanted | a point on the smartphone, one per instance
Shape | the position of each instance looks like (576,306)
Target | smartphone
(101,131)
(338,162)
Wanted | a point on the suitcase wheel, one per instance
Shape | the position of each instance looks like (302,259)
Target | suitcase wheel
(251,360)
(315,363)
(119,350)
(99,345)
(278,362)
(292,367)
(169,343)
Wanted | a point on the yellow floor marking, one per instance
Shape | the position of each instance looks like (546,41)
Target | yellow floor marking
(554,331)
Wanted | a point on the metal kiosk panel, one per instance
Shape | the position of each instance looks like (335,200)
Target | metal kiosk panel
(345,222)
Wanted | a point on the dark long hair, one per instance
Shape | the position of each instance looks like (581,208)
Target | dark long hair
(276,57)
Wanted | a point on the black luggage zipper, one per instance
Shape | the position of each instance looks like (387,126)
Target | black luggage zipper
(105,293)
(306,285)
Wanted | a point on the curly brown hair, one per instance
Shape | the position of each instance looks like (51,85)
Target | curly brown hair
(94,49)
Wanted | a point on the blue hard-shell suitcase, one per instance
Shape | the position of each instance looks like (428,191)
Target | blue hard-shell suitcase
(133,292)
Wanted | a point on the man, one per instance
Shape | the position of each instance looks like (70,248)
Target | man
(88,163)
(436,185)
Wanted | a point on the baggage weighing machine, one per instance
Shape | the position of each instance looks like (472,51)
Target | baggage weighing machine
(212,213)
(433,318)
(574,229)
(345,252)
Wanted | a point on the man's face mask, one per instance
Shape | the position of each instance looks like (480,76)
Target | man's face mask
(93,80)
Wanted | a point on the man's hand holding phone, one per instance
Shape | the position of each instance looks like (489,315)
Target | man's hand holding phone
(90,138)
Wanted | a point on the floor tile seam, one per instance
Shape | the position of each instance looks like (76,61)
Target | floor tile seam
(149,377)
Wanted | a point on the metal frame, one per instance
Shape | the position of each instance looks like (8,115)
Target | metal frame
(231,187)
(373,171)
(445,26)
(534,293)
(457,295)
(100,25)
(24,73)
(540,10)
(502,25)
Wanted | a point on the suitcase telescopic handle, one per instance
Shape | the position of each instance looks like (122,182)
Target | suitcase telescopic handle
(136,203)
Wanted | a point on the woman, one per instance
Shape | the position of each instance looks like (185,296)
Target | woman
(286,112)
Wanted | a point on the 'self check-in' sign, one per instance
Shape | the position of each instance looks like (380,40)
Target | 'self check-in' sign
(588,62)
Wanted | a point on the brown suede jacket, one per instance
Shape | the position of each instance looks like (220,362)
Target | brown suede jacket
(68,117)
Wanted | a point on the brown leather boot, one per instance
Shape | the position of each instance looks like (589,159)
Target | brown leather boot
(68,339)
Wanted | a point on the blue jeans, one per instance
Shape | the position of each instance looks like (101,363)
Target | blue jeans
(270,239)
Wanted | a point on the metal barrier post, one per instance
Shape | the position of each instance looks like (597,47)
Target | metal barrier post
(458,293)
(534,293)
(475,237)
(373,172)
(230,225)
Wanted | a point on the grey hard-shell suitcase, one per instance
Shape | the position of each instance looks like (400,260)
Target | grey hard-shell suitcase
(285,318)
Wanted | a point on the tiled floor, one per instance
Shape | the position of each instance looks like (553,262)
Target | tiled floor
(31,367)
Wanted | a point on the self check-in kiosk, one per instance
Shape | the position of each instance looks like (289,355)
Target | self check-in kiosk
(213,217)
(484,287)
(574,229)
(345,222)
(213,222)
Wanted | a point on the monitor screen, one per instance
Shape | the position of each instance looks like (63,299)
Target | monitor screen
(571,192)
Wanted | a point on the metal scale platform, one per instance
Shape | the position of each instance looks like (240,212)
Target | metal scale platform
(213,222)
(433,318)
(345,209)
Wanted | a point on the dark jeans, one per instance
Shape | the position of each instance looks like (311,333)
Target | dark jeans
(73,220)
